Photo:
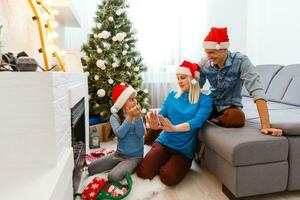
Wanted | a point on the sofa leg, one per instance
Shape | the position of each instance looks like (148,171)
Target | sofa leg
(229,194)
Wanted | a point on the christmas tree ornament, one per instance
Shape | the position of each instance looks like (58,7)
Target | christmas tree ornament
(119,12)
(146,91)
(86,58)
(110,81)
(96,105)
(120,36)
(114,65)
(87,73)
(96,77)
(128,64)
(99,26)
(99,50)
(114,39)
(104,34)
(103,67)
(146,99)
(100,63)
(111,19)
(124,52)
(144,110)
(95,35)
(101,93)
(136,69)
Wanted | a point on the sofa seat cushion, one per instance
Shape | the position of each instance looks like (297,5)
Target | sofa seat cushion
(286,119)
(244,146)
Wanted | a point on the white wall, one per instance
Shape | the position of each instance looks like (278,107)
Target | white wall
(273,29)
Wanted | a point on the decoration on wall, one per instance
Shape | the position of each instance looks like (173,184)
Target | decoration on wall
(45,18)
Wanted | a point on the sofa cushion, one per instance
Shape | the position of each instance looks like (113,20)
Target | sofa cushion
(292,94)
(286,119)
(266,72)
(244,146)
(281,82)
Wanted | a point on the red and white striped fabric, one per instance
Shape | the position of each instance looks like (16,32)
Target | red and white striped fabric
(89,158)
(115,191)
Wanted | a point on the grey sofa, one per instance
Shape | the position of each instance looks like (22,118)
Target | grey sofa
(249,163)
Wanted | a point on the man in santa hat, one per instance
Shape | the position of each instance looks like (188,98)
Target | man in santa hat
(227,72)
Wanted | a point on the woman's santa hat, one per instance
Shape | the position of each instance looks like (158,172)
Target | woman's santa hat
(190,69)
(120,94)
(217,38)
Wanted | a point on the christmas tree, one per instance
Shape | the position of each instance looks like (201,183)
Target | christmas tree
(111,57)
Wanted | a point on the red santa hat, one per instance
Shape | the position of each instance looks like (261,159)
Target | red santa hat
(190,69)
(120,94)
(217,38)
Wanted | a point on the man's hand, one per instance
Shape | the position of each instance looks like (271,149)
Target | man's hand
(152,120)
(272,131)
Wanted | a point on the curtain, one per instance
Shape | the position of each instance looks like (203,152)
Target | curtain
(168,32)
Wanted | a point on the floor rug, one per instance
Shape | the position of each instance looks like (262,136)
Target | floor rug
(142,189)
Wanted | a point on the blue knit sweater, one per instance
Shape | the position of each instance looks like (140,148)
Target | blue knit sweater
(180,110)
(130,136)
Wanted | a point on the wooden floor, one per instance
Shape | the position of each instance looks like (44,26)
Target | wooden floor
(200,184)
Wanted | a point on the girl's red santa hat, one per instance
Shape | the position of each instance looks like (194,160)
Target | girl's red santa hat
(120,94)
(190,69)
(217,38)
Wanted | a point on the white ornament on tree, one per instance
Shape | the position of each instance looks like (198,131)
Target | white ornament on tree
(99,25)
(146,91)
(95,35)
(99,50)
(119,12)
(110,81)
(96,77)
(115,64)
(111,19)
(114,39)
(101,93)
(144,110)
(120,36)
(103,68)
(122,83)
(87,73)
(128,64)
(124,52)
(100,63)
(104,34)
(136,69)
(86,58)
(146,99)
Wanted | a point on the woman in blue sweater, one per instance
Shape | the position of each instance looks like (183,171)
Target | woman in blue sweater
(182,113)
(128,126)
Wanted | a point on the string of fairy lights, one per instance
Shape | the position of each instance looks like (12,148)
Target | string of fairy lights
(44,15)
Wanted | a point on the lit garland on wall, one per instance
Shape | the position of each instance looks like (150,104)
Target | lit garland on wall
(48,36)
